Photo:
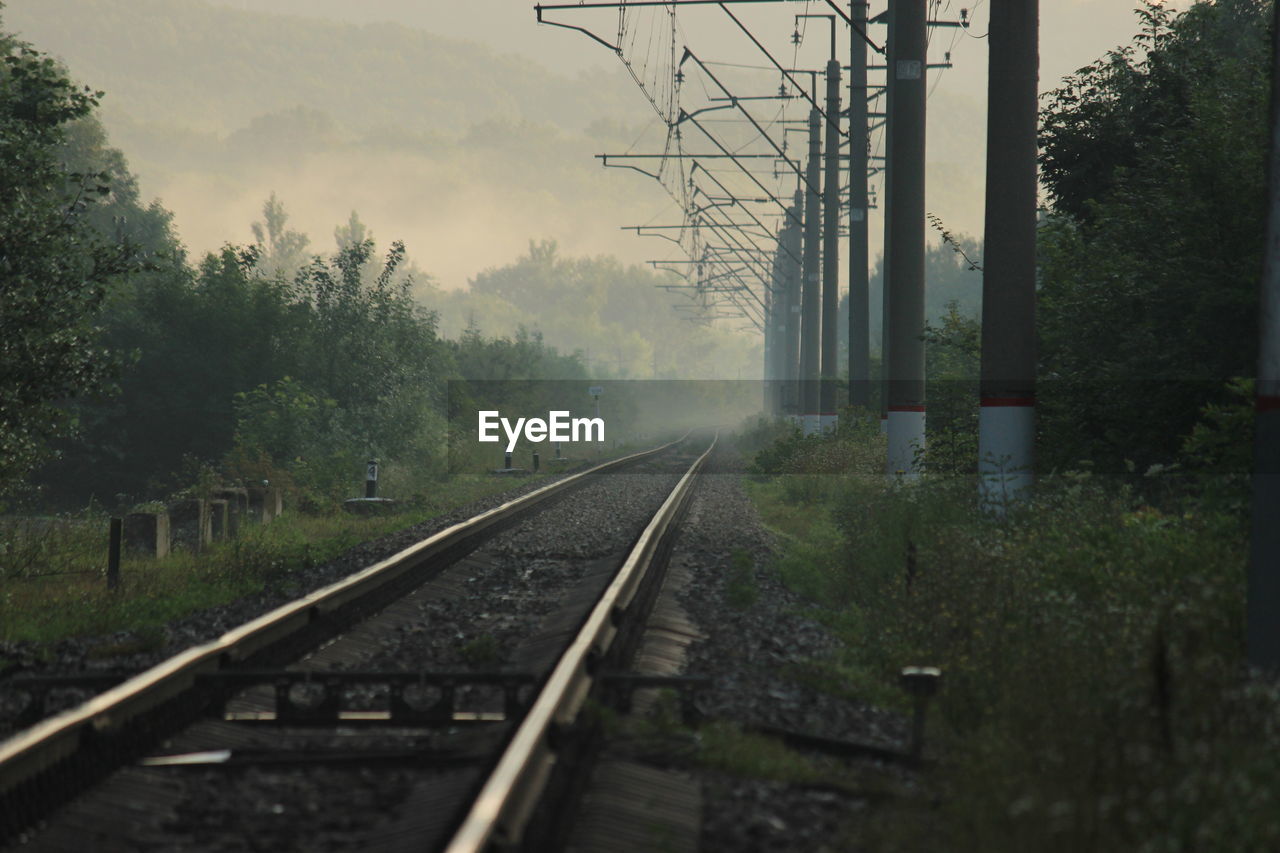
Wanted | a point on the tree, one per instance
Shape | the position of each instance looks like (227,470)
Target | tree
(952,285)
(355,231)
(281,251)
(190,339)
(120,216)
(1154,162)
(367,345)
(54,270)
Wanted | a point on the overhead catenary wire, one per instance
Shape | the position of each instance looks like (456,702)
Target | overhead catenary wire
(648,36)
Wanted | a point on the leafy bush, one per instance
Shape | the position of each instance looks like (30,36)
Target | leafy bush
(851,447)
(1154,158)
(1091,647)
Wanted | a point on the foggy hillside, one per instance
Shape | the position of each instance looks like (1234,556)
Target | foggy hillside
(230,65)
(463,154)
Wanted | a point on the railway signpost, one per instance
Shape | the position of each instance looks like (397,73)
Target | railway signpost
(595,391)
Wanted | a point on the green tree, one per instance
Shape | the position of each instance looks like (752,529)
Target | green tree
(53,270)
(119,216)
(368,346)
(1154,161)
(950,284)
(952,357)
(191,339)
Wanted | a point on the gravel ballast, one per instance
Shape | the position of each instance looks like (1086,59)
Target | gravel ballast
(753,656)
(507,592)
(85,655)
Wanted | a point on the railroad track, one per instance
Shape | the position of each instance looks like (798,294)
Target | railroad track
(306,728)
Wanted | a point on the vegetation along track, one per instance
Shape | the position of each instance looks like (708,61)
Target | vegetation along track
(400,682)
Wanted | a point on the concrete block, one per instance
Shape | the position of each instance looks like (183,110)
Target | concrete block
(190,525)
(265,504)
(219,520)
(237,508)
(147,533)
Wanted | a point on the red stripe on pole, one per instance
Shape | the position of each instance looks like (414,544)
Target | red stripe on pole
(1008,401)
(1267,403)
(906,408)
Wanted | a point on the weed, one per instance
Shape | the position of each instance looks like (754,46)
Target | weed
(740,584)
(481,652)
(1091,644)
(725,747)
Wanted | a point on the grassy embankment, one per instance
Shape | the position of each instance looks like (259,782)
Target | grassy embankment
(52,580)
(1094,694)
(52,571)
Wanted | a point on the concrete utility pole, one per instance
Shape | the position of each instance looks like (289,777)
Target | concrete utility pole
(859,325)
(831,247)
(887,202)
(1006,423)
(772,319)
(1263,609)
(792,242)
(778,358)
(811,308)
(906,260)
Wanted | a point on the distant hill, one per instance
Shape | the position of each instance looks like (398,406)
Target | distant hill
(507,26)
(214,68)
(464,154)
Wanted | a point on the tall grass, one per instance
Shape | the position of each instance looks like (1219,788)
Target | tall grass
(1092,647)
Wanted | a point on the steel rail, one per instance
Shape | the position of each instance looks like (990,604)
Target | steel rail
(40,747)
(505,802)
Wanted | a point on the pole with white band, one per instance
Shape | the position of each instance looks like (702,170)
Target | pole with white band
(1006,423)
(1263,609)
(905,284)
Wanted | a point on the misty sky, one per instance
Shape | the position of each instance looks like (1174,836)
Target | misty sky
(461,217)
(1073,34)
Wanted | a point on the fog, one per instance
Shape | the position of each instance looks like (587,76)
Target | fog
(463,129)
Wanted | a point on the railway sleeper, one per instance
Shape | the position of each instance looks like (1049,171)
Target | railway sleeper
(418,698)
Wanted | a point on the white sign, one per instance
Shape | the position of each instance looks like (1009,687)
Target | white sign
(372,472)
(595,390)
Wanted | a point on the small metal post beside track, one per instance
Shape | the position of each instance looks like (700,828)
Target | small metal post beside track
(922,683)
(113,553)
